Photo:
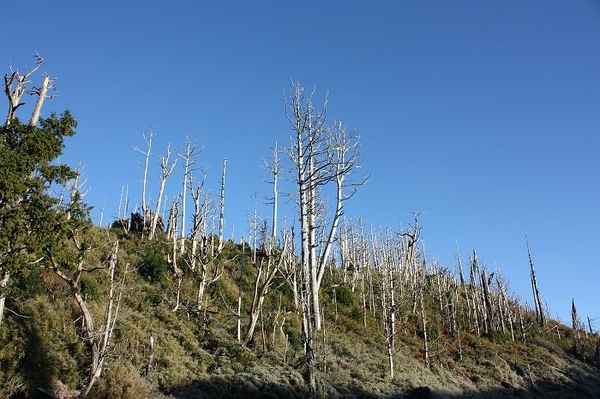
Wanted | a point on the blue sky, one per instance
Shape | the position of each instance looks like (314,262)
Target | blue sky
(484,116)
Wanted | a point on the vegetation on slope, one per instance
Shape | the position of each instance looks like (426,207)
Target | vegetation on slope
(198,355)
(143,311)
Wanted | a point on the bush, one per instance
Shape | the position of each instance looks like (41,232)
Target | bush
(344,295)
(121,380)
(153,268)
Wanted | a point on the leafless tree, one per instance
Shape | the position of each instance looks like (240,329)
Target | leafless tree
(222,208)
(98,339)
(539,307)
(167,168)
(267,269)
(578,346)
(320,155)
(15,85)
(145,209)
(190,156)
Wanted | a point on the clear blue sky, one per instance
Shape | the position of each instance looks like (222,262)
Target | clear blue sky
(482,115)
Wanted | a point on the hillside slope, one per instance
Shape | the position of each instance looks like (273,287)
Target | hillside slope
(163,347)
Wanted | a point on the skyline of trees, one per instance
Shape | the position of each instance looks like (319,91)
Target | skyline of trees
(398,287)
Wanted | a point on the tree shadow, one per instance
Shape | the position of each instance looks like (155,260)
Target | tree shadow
(223,388)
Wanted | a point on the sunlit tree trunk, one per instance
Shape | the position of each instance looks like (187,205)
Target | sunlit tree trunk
(189,159)
(539,308)
(166,167)
(222,208)
(146,153)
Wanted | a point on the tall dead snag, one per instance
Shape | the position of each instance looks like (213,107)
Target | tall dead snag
(485,282)
(146,153)
(468,319)
(166,167)
(201,205)
(539,308)
(477,306)
(202,257)
(578,346)
(267,269)
(386,261)
(172,257)
(424,318)
(189,157)
(222,208)
(320,155)
(15,85)
(98,339)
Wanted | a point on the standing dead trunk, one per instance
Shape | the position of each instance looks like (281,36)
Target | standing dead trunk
(578,346)
(424,326)
(189,158)
(15,85)
(539,309)
(145,208)
(41,92)
(222,208)
(97,339)
(167,167)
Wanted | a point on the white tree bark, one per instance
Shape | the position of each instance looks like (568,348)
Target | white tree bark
(15,85)
(146,153)
(189,159)
(166,167)
(222,208)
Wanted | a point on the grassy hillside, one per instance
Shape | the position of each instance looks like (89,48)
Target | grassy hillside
(158,352)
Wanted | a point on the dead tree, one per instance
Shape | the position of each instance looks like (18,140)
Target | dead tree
(98,339)
(424,320)
(387,264)
(146,153)
(267,269)
(172,257)
(478,318)
(578,346)
(166,167)
(15,85)
(222,208)
(539,309)
(320,155)
(189,159)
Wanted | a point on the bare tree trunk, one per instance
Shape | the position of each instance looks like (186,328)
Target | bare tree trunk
(266,273)
(98,340)
(145,208)
(222,208)
(41,92)
(189,158)
(539,310)
(15,86)
(424,324)
(167,168)
(239,304)
(172,234)
(578,347)
(151,358)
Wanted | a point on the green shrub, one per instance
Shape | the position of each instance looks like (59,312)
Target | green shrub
(357,314)
(344,295)
(89,289)
(120,380)
(154,267)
